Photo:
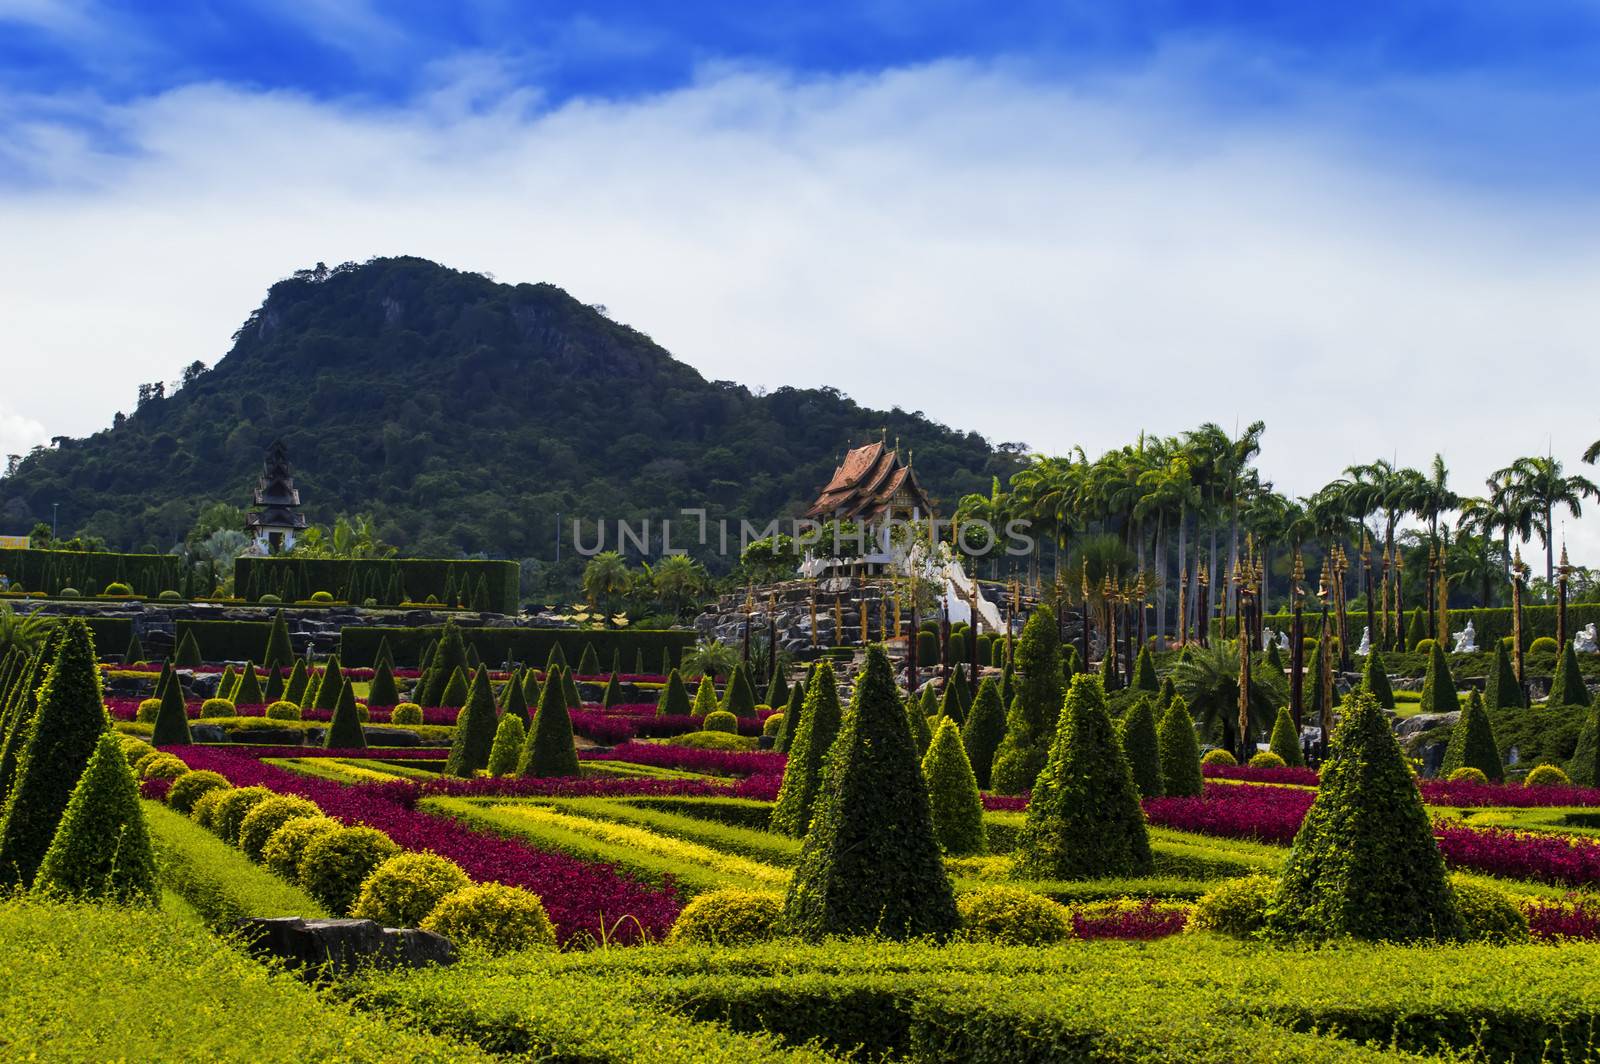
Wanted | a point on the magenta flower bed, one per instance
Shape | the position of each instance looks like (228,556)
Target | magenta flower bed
(1143,923)
(1268,814)
(1559,859)
(717,762)
(582,898)
(1005,803)
(1466,793)
(1574,917)
(1302,776)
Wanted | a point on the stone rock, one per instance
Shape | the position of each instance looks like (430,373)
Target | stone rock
(379,735)
(207,733)
(1421,722)
(342,945)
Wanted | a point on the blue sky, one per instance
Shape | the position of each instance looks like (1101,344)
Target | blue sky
(1368,223)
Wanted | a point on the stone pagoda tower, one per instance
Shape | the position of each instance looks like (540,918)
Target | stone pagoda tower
(277,518)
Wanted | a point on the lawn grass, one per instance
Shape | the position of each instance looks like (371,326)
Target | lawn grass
(214,879)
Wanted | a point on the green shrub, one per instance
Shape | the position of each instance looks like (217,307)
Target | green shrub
(172,718)
(705,698)
(1438,686)
(549,749)
(953,793)
(772,725)
(161,767)
(69,593)
(117,587)
(1267,759)
(1366,827)
(1467,775)
(1547,776)
(1180,752)
(493,918)
(1543,645)
(1472,742)
(712,740)
(1424,646)
(284,711)
(321,596)
(101,849)
(917,724)
(269,599)
(1144,672)
(791,717)
(508,739)
(1237,908)
(406,713)
(1031,718)
(382,691)
(728,917)
(344,729)
(222,884)
(1219,756)
(739,699)
(187,653)
(870,863)
(818,728)
(1488,914)
(674,698)
(721,721)
(148,709)
(403,890)
(1502,690)
(286,846)
(188,788)
(335,864)
(233,807)
(984,730)
(1375,678)
(777,688)
(1012,916)
(204,809)
(217,707)
(247,692)
(1285,740)
(330,684)
(266,817)
(1567,686)
(476,726)
(1141,745)
(169,595)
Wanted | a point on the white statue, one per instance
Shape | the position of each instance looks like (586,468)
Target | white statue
(1584,641)
(1466,640)
(1366,642)
(1283,640)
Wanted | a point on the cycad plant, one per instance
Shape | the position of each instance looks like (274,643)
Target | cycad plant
(1209,683)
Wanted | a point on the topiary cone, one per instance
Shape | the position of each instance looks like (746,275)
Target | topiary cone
(808,746)
(953,798)
(1141,744)
(549,749)
(101,850)
(344,729)
(476,724)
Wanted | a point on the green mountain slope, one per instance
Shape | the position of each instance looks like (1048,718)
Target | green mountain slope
(464,415)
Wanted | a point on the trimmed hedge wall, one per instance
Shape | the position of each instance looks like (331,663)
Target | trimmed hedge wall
(227,640)
(484,585)
(1489,625)
(358,645)
(90,571)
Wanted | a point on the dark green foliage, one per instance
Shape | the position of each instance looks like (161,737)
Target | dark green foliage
(569,688)
(1285,741)
(274,691)
(382,691)
(791,718)
(917,722)
(1438,686)
(616,659)
(1180,752)
(929,701)
(474,657)
(613,692)
(168,676)
(1365,864)
(985,728)
(279,652)
(188,653)
(330,686)
(455,692)
(1472,743)
(135,651)
(449,654)
(927,649)
(1584,766)
(1165,698)
(531,688)
(674,698)
(295,690)
(1110,679)
(588,661)
(1275,659)
(475,728)
(638,664)
(738,698)
(953,793)
(1502,690)
(705,698)
(344,729)
(1144,672)
(101,850)
(384,655)
(666,659)
(495,584)
(870,863)
(1071,663)
(172,720)
(1375,678)
(1031,718)
(951,704)
(778,689)
(549,749)
(1084,819)
(61,738)
(557,657)
(1142,747)
(809,744)
(509,736)
(1566,686)
(428,652)
(21,707)
(1313,686)
(1417,631)
(247,692)
(515,703)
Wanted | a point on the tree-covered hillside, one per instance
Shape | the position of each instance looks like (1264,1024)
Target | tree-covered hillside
(463,414)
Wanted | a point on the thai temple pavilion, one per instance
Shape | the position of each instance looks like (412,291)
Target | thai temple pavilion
(872,485)
(277,519)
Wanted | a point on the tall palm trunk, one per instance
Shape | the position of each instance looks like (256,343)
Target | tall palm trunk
(1183,558)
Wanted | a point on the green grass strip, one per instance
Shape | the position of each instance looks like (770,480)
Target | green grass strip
(216,880)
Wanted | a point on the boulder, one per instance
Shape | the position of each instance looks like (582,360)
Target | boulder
(342,945)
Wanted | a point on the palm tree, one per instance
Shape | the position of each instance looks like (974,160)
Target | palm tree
(710,658)
(605,579)
(1209,682)
(1592,455)
(678,580)
(1168,493)
(1431,496)
(19,632)
(1542,484)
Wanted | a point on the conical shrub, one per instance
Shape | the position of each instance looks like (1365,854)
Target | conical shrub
(279,652)
(507,750)
(531,689)
(588,661)
(985,728)
(1375,678)
(870,864)
(613,692)
(1584,767)
(791,718)
(101,850)
(135,651)
(921,734)
(1084,818)
(1285,741)
(384,654)
(1472,743)
(188,653)
(1438,686)
(569,689)
(454,695)
(1110,680)
(666,660)
(1180,752)
(808,749)
(516,703)
(21,708)
(449,654)
(1502,690)
(248,692)
(332,683)
(1142,746)
(1144,673)
(383,691)
(1031,718)
(1364,864)
(65,729)
(705,697)
(1566,686)
(674,698)
(1417,631)
(172,719)
(928,702)
(549,749)
(557,656)
(344,728)
(739,699)
(274,691)
(295,690)
(951,705)
(953,795)
(475,730)
(638,664)
(778,689)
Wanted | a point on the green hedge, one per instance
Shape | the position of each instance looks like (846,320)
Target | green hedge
(358,645)
(91,571)
(1488,625)
(227,640)
(220,882)
(489,585)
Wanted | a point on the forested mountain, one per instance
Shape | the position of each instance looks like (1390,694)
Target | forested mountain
(464,415)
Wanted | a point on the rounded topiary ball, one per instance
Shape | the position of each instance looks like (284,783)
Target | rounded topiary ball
(1543,645)
(217,707)
(710,740)
(117,587)
(403,890)
(145,757)
(494,918)
(283,711)
(1547,776)
(1237,907)
(1219,756)
(69,592)
(169,595)
(287,845)
(1425,646)
(1012,916)
(204,809)
(334,865)
(133,748)
(720,720)
(406,713)
(1267,759)
(1489,914)
(363,714)
(234,807)
(265,818)
(1468,774)
(148,710)
(728,917)
(269,600)
(772,724)
(187,788)
(321,596)
(161,767)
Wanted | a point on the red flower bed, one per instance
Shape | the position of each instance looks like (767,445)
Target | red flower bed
(1302,776)
(716,762)
(1575,916)
(1143,923)
(1268,814)
(1467,793)
(1560,859)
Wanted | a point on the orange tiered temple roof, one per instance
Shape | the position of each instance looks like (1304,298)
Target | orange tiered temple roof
(869,480)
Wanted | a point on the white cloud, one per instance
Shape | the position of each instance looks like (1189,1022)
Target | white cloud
(1033,261)
(18,434)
